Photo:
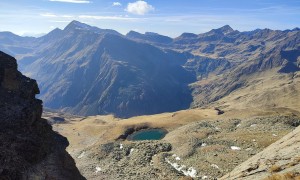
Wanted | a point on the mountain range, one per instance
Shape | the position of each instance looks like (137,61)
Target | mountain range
(87,70)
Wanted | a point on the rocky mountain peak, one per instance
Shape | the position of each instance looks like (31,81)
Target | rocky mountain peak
(79,26)
(152,34)
(223,30)
(296,29)
(76,25)
(188,35)
(133,34)
(226,29)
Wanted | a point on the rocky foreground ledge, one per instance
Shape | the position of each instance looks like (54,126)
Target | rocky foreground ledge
(29,148)
(279,161)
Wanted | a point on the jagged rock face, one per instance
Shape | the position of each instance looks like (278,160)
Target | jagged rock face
(29,149)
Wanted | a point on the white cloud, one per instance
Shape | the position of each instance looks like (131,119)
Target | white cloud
(139,7)
(67,16)
(48,15)
(51,15)
(106,17)
(61,21)
(117,4)
(72,1)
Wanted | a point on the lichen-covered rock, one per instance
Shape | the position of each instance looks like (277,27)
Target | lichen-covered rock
(29,149)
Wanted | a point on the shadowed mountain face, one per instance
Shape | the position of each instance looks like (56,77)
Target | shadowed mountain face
(87,70)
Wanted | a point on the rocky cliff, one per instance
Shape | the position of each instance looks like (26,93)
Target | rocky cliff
(29,149)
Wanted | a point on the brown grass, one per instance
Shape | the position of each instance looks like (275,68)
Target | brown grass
(295,162)
(213,148)
(285,176)
(297,159)
(105,129)
(263,139)
(274,169)
(261,96)
(186,178)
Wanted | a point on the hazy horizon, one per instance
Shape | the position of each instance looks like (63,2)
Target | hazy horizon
(45,33)
(38,17)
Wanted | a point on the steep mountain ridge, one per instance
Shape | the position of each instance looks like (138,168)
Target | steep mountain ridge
(107,73)
(57,36)
(76,25)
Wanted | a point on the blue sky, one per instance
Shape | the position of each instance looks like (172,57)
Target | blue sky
(168,17)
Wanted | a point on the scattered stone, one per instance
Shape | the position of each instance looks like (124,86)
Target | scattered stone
(215,166)
(81,155)
(98,169)
(235,148)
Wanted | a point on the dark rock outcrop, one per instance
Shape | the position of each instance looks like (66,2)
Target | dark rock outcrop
(29,149)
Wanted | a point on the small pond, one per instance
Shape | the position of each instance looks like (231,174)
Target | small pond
(148,134)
